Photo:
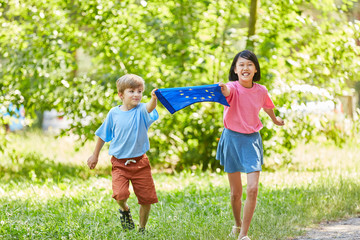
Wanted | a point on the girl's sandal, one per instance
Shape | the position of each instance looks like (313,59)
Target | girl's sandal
(235,232)
(244,238)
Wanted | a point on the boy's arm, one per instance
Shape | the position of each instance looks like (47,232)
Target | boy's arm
(277,120)
(151,105)
(93,160)
(224,89)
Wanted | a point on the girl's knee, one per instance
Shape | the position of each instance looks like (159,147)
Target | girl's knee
(252,191)
(236,196)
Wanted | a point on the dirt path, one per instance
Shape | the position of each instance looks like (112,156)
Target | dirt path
(345,229)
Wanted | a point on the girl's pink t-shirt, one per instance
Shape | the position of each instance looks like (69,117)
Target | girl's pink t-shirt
(245,104)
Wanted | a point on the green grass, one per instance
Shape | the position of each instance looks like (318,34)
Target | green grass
(53,195)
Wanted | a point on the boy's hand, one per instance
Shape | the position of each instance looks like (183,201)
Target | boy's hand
(92,161)
(151,105)
(153,95)
(279,121)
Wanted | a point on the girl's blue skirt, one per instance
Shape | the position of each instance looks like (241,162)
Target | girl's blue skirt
(240,152)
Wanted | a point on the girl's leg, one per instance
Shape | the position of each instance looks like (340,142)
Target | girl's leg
(236,194)
(144,214)
(250,203)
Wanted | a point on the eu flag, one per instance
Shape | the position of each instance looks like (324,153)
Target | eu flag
(175,99)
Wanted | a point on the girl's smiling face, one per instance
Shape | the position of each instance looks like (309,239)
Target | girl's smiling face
(245,69)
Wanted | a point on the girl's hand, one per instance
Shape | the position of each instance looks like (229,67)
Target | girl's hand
(279,121)
(224,89)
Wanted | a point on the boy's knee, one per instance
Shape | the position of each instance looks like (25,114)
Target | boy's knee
(120,198)
(123,201)
(146,207)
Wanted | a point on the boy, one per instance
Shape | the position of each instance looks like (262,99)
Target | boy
(126,127)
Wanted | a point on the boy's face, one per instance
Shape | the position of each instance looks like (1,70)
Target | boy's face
(131,97)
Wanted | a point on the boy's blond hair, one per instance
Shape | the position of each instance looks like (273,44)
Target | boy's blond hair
(129,81)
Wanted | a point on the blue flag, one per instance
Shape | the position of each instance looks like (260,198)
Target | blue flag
(175,99)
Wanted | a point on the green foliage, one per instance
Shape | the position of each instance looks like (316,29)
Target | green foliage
(35,58)
(3,141)
(170,44)
(300,49)
(192,137)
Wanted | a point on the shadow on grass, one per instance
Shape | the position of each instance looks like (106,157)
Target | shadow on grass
(37,168)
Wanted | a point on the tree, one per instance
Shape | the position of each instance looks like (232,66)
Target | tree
(176,43)
(252,24)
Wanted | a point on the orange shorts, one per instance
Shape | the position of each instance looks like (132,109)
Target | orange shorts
(138,171)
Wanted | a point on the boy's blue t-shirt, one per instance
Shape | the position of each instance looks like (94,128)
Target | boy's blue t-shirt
(127,131)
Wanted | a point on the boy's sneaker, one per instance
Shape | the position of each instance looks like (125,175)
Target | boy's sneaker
(126,220)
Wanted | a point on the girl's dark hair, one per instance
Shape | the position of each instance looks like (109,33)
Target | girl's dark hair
(249,56)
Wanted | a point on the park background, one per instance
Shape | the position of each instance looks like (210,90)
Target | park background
(66,56)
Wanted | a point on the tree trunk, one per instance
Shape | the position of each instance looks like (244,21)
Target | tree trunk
(252,25)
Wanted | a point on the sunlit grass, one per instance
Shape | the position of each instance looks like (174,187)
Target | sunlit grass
(326,157)
(42,197)
(57,149)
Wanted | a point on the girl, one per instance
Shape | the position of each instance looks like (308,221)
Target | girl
(240,146)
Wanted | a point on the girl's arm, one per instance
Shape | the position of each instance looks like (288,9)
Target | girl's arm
(93,160)
(277,120)
(224,89)
(151,105)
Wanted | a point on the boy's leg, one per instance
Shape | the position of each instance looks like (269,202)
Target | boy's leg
(144,214)
(123,205)
(144,189)
(127,222)
(120,186)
